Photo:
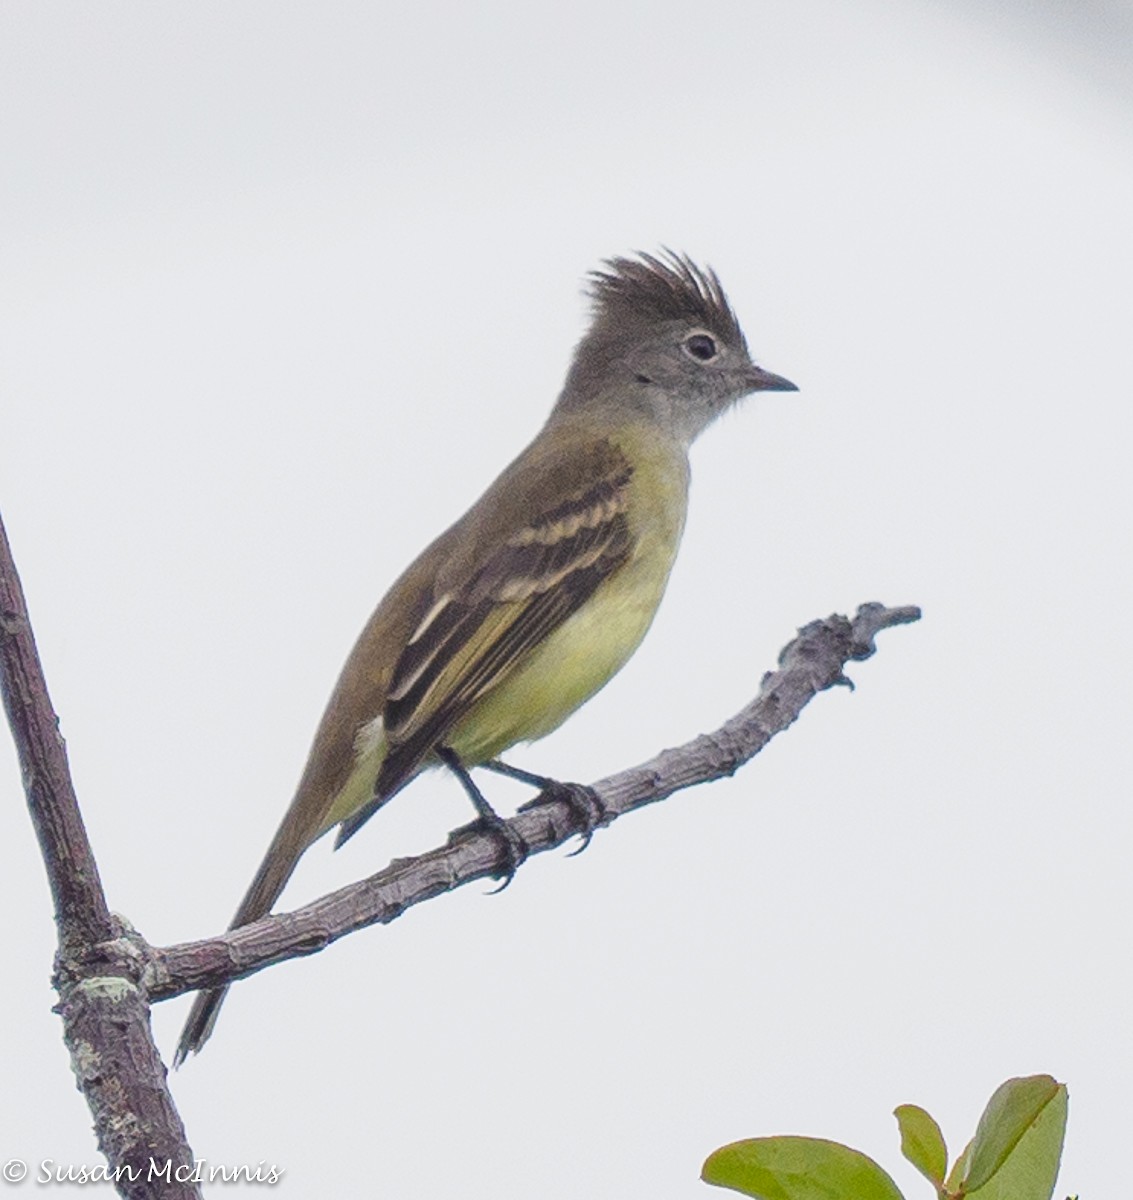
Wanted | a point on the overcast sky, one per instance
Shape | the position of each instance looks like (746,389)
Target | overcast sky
(284,285)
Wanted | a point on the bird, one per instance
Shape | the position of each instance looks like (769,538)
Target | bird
(534,599)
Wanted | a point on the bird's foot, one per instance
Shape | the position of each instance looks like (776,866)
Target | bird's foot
(584,802)
(514,847)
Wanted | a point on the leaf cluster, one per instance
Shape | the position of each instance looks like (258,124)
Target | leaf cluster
(1014,1155)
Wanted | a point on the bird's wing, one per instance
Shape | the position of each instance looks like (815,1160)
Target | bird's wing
(477,633)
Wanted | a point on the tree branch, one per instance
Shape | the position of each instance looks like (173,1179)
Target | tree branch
(81,913)
(105,1013)
(814,661)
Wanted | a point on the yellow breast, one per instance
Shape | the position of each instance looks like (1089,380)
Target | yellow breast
(591,646)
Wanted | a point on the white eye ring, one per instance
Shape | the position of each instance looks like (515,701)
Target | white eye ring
(701,347)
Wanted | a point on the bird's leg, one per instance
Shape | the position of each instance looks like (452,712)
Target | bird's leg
(583,801)
(515,848)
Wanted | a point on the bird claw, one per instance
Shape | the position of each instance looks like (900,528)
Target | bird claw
(584,802)
(515,848)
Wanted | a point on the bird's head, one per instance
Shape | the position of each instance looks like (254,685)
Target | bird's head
(663,339)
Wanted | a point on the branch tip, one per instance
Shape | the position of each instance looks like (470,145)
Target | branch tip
(872,618)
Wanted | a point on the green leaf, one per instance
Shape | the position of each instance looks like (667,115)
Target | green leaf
(959,1169)
(1012,1110)
(922,1143)
(798,1168)
(1030,1170)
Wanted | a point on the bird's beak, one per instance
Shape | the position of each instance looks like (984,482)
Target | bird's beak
(759,380)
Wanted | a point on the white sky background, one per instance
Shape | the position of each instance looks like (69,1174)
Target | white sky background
(284,285)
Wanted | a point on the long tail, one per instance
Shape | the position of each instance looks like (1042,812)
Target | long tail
(284,852)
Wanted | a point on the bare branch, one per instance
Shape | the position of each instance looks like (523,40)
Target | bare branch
(814,661)
(105,1013)
(80,904)
(106,1026)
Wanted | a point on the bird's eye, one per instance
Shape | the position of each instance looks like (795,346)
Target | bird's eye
(701,347)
